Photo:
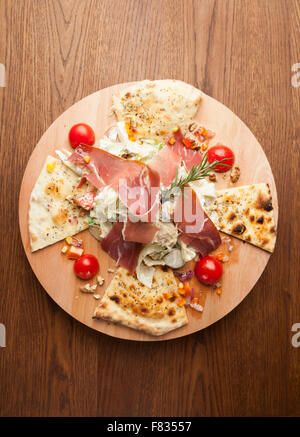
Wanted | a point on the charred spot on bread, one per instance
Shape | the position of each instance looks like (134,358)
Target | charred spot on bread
(263,202)
(239,229)
(164,268)
(252,218)
(115,298)
(231,216)
(260,220)
(272,229)
(171,312)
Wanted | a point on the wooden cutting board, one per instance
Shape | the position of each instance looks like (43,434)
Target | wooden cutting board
(55,272)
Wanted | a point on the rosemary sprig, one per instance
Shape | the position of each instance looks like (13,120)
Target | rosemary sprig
(196,173)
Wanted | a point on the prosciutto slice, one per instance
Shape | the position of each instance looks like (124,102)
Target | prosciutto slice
(137,184)
(166,162)
(189,156)
(126,253)
(140,232)
(197,230)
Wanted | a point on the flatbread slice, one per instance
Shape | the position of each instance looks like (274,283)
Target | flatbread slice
(128,302)
(52,216)
(154,108)
(246,213)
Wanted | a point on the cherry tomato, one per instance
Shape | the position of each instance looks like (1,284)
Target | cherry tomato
(218,152)
(208,270)
(86,267)
(81,133)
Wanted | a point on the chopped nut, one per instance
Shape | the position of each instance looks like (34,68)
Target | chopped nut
(235,174)
(230,248)
(111,270)
(86,288)
(93,287)
(195,305)
(100,280)
(225,259)
(212,177)
(64,249)
(96,296)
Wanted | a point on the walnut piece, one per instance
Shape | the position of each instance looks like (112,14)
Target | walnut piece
(235,174)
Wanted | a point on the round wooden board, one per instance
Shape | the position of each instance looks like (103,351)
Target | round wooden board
(55,271)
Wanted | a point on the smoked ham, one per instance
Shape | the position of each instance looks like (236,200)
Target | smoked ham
(197,230)
(137,184)
(126,253)
(190,157)
(139,232)
(166,162)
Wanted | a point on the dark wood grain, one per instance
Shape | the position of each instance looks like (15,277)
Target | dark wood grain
(239,52)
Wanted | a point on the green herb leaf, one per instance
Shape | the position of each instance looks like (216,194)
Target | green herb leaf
(197,172)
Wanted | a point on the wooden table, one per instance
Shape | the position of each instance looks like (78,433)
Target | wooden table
(239,52)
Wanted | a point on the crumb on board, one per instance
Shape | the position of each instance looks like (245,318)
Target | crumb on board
(100,280)
(96,296)
(111,270)
(64,249)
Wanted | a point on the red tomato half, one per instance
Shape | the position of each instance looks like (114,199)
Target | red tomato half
(219,152)
(86,267)
(81,133)
(208,270)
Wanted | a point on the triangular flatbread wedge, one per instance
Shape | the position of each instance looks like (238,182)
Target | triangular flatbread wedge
(151,310)
(246,213)
(52,216)
(154,108)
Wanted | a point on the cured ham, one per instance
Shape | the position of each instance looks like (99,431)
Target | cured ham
(166,162)
(190,157)
(197,230)
(137,184)
(139,232)
(126,253)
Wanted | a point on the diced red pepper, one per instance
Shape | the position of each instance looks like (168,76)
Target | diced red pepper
(82,182)
(188,144)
